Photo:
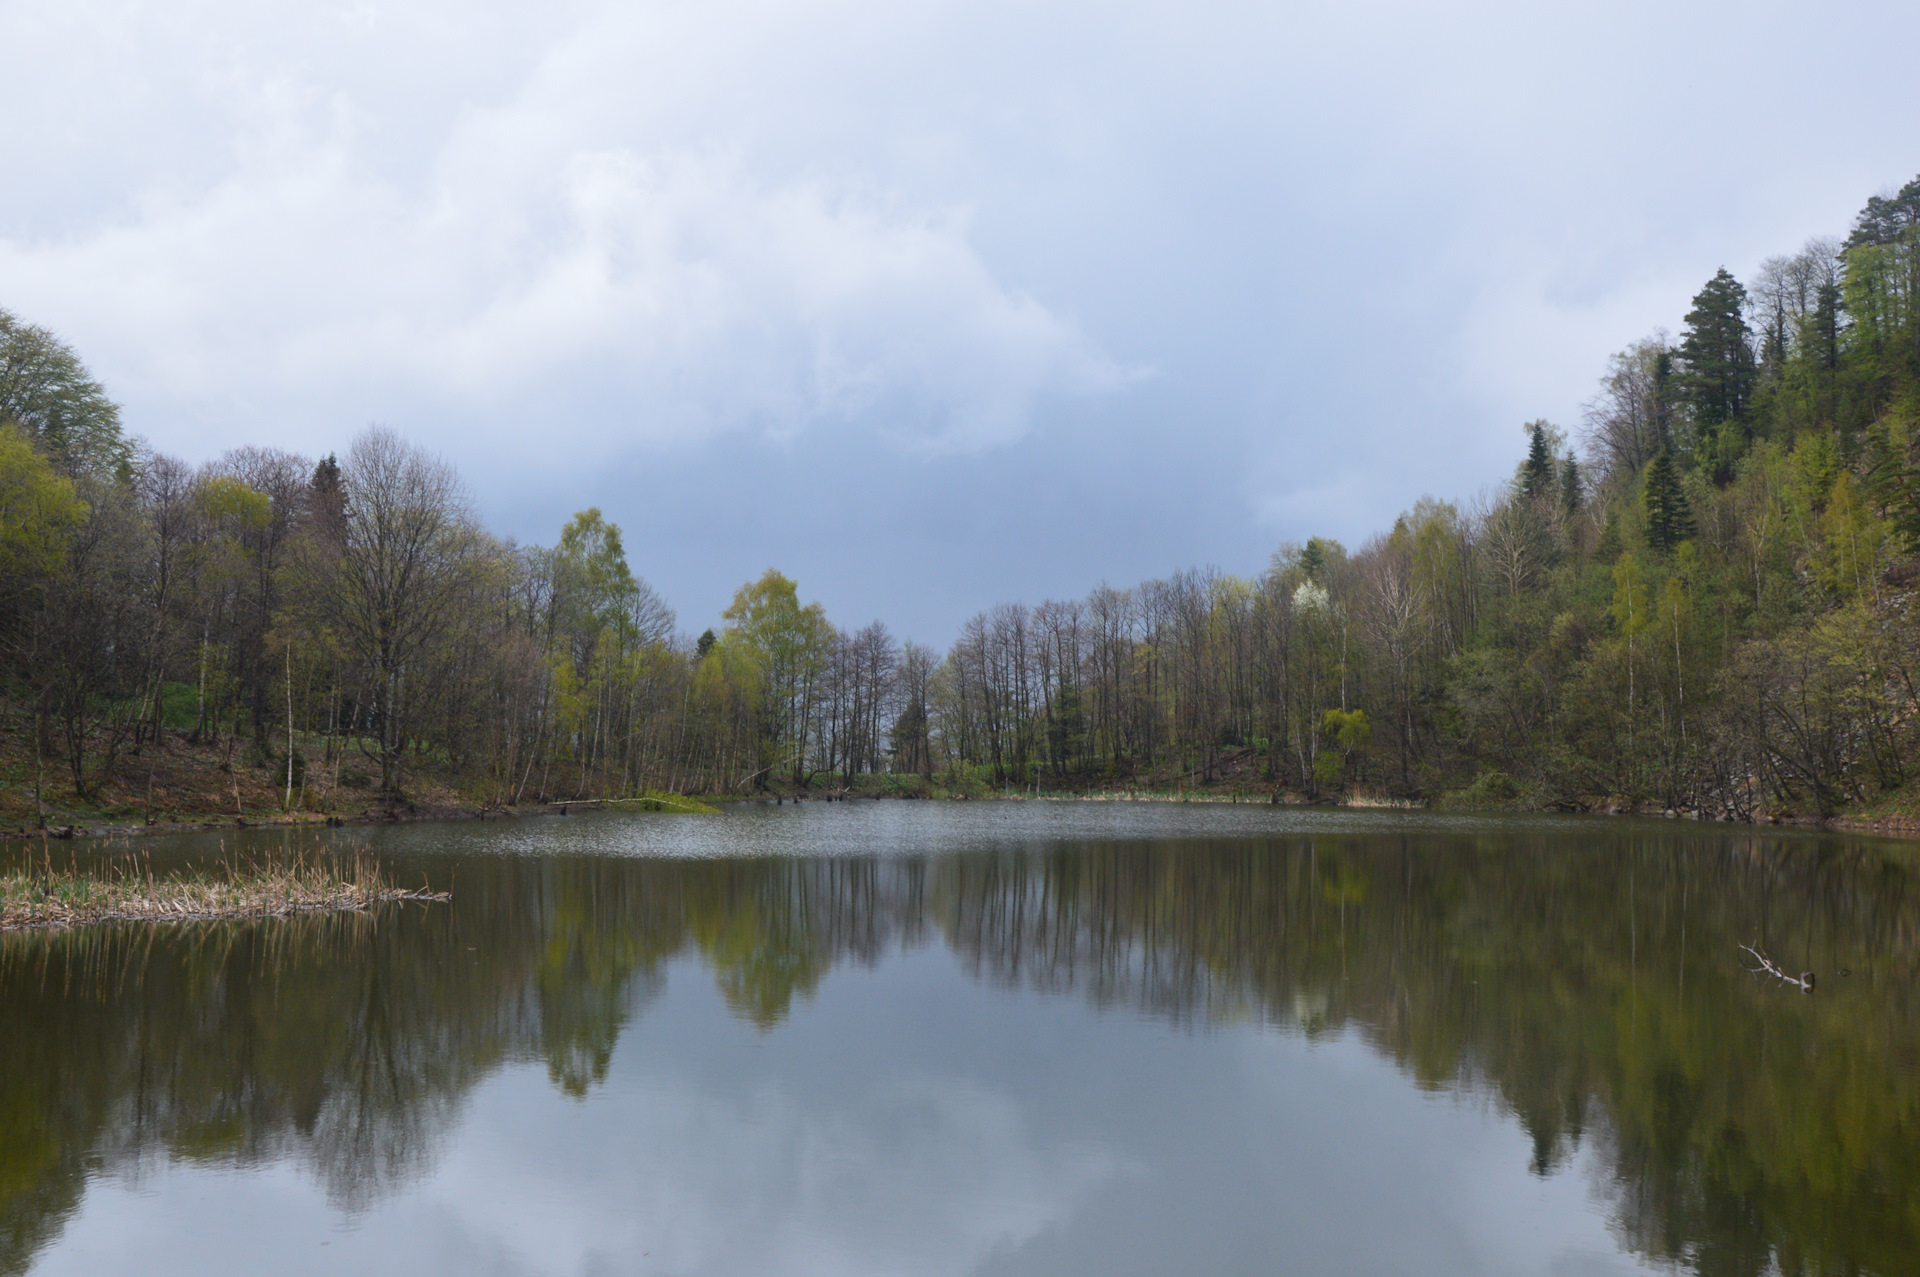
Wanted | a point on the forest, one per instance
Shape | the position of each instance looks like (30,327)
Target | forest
(1694,599)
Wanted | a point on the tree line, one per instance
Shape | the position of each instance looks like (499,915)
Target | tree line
(1698,598)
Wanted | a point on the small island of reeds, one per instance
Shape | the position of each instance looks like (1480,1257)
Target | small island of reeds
(46,894)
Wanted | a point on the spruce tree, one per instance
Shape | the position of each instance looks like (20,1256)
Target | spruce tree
(1895,487)
(1572,485)
(1887,219)
(1717,354)
(1669,520)
(1825,343)
(1536,472)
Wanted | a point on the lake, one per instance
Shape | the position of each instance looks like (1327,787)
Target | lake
(989,1038)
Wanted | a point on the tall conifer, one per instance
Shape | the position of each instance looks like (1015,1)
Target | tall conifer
(1572,485)
(1717,354)
(1669,519)
(1536,473)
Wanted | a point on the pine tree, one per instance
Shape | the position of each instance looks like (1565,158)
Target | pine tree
(1669,519)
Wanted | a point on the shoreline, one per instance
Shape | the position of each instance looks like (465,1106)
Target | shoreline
(1886,826)
(405,814)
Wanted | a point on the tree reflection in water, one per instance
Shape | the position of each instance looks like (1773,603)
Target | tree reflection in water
(1591,986)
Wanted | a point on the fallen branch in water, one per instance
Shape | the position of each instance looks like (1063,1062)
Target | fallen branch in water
(129,892)
(1803,981)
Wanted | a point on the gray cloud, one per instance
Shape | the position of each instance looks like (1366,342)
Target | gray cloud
(1113,288)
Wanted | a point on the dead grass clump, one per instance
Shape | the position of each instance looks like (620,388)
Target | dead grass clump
(45,895)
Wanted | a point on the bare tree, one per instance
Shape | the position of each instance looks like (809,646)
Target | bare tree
(1516,543)
(1397,622)
(1632,417)
(389,581)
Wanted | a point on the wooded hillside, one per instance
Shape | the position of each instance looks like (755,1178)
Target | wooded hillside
(1696,598)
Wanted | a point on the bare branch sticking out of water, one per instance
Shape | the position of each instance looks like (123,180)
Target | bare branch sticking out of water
(1803,981)
(46,896)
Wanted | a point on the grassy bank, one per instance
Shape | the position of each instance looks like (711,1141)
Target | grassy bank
(47,895)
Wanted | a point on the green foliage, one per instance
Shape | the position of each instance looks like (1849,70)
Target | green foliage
(1348,733)
(789,644)
(178,706)
(1893,481)
(1349,730)
(1852,547)
(592,583)
(1313,559)
(1630,609)
(1491,788)
(1669,517)
(1612,540)
(1536,472)
(39,509)
(47,391)
(1716,356)
(1572,486)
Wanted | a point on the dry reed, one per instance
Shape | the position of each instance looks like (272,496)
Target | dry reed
(45,895)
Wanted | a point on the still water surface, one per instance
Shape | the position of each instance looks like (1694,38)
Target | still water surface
(917,1038)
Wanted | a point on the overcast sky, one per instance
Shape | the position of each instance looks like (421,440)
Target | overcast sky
(930,305)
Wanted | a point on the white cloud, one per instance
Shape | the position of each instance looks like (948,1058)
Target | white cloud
(918,1175)
(561,250)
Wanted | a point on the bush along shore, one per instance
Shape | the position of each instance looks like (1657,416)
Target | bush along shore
(44,894)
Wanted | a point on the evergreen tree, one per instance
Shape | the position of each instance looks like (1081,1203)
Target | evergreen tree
(1895,487)
(1536,472)
(1717,355)
(1887,219)
(1572,485)
(327,497)
(1883,275)
(1313,558)
(1669,519)
(1825,344)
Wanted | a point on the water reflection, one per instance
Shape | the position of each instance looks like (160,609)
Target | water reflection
(1588,982)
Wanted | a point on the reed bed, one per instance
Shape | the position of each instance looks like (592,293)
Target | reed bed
(276,885)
